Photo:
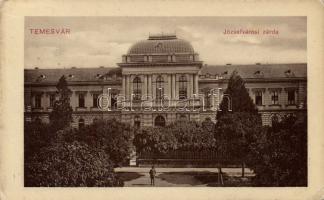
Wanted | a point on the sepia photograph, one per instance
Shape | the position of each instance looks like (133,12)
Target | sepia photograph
(165,102)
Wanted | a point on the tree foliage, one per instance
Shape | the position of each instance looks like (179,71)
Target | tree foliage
(70,164)
(234,128)
(236,97)
(278,155)
(155,140)
(36,136)
(233,133)
(61,115)
(71,157)
(114,137)
(188,135)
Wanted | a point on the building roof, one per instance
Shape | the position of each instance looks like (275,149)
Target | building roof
(256,70)
(207,72)
(71,74)
(156,44)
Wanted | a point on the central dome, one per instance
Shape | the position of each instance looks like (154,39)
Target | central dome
(161,44)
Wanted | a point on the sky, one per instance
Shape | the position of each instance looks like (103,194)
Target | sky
(101,41)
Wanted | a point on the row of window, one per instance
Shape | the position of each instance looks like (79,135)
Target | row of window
(95,100)
(38,100)
(160,58)
(275,97)
(159,87)
(291,95)
(137,92)
(81,100)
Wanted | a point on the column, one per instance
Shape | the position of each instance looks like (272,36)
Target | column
(124,86)
(173,86)
(127,87)
(145,86)
(169,86)
(212,101)
(149,88)
(176,96)
(196,84)
(130,87)
(88,99)
(190,85)
(154,86)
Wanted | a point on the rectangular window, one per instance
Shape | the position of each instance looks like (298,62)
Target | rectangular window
(81,101)
(38,101)
(258,98)
(274,97)
(207,99)
(95,100)
(52,100)
(291,97)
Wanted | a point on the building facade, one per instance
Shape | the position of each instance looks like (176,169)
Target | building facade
(161,80)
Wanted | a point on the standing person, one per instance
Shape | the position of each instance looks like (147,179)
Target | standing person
(152,175)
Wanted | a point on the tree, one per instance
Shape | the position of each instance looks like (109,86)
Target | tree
(192,135)
(237,119)
(36,136)
(236,97)
(71,157)
(114,137)
(74,164)
(278,156)
(155,141)
(233,133)
(178,136)
(61,115)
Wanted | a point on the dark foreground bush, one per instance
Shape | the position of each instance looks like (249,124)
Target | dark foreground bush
(112,136)
(278,156)
(70,165)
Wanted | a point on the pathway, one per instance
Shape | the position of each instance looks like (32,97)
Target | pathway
(179,177)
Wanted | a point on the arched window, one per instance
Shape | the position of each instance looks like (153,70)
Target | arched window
(159,87)
(81,123)
(182,87)
(137,121)
(137,88)
(159,121)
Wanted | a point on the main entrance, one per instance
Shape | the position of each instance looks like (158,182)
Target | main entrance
(159,121)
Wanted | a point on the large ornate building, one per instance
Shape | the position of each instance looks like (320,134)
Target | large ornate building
(161,80)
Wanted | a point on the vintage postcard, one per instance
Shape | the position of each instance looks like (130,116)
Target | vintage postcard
(128,105)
